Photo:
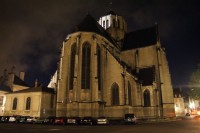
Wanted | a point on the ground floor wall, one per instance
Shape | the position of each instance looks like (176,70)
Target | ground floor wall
(97,109)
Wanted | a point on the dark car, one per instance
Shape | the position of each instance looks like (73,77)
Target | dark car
(5,119)
(87,120)
(130,119)
(60,120)
(22,119)
(50,120)
(73,120)
(187,114)
(38,120)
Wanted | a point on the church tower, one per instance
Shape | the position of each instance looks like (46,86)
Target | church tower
(114,24)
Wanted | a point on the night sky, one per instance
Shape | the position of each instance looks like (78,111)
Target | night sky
(32,31)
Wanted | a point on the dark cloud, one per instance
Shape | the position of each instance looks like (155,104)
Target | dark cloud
(31,31)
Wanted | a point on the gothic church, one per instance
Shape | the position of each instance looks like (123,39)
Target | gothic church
(106,71)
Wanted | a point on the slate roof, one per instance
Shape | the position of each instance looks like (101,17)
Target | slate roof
(89,24)
(18,81)
(111,12)
(36,89)
(146,76)
(140,38)
(4,88)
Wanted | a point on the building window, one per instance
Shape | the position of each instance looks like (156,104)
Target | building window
(129,94)
(72,65)
(28,103)
(1,100)
(118,22)
(99,67)
(85,79)
(115,94)
(103,24)
(113,22)
(106,23)
(146,98)
(14,107)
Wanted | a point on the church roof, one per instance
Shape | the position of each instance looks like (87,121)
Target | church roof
(89,24)
(36,89)
(140,38)
(111,12)
(147,75)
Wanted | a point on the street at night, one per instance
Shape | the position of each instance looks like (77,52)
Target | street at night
(178,126)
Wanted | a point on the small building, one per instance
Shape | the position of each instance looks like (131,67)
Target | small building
(179,103)
(10,82)
(36,101)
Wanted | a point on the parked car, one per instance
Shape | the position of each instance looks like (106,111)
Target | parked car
(38,120)
(31,119)
(130,119)
(73,120)
(187,114)
(87,120)
(22,119)
(49,120)
(102,120)
(61,120)
(4,119)
(12,119)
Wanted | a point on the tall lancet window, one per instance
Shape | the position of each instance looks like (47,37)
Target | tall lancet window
(115,94)
(85,79)
(72,65)
(14,107)
(99,67)
(146,96)
(129,94)
(28,103)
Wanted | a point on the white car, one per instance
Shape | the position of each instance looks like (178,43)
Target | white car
(102,121)
(12,119)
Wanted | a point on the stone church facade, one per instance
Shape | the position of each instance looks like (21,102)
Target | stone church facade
(106,71)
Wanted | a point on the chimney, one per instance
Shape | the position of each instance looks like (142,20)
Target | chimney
(10,80)
(22,75)
(36,83)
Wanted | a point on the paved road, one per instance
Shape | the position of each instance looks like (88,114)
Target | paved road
(180,126)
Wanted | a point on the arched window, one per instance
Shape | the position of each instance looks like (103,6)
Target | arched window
(85,79)
(118,22)
(72,65)
(28,103)
(14,107)
(99,67)
(146,96)
(129,94)
(114,23)
(115,94)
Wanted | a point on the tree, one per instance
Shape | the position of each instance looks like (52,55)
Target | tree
(194,84)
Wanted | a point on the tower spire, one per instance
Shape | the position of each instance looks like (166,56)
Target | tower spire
(110,4)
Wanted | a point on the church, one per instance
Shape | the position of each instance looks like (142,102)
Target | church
(106,71)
